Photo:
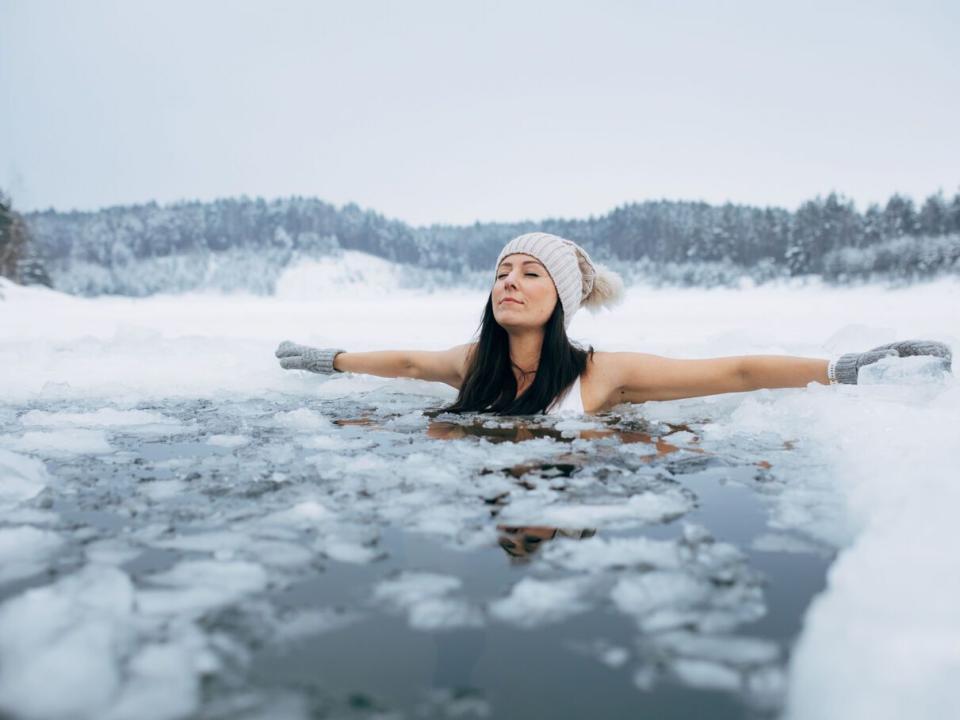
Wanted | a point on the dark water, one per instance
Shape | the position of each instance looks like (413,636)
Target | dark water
(375,663)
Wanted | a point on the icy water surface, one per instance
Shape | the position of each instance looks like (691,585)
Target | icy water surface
(289,557)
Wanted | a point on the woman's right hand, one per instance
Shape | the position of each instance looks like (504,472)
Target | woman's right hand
(303,357)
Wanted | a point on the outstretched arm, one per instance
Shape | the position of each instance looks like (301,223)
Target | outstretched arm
(448,366)
(781,371)
(385,363)
(639,377)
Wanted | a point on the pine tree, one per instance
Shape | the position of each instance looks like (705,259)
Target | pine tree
(12,238)
(934,218)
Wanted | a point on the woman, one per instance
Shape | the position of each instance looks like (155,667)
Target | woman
(523,362)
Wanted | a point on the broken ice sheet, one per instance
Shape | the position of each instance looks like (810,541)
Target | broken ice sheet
(228,441)
(60,443)
(429,600)
(139,422)
(76,649)
(641,508)
(533,602)
(26,551)
(598,554)
(194,586)
(21,478)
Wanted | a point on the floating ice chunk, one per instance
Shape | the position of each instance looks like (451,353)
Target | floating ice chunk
(21,478)
(411,587)
(646,507)
(575,424)
(445,703)
(205,541)
(597,554)
(163,683)
(135,421)
(773,542)
(408,421)
(330,442)
(660,599)
(427,471)
(163,489)
(298,624)
(425,597)
(61,645)
(305,514)
(645,677)
(706,675)
(28,516)
(534,602)
(343,550)
(767,686)
(25,551)
(62,442)
(727,649)
(444,613)
(303,420)
(681,438)
(366,463)
(228,441)
(199,585)
(276,553)
(615,657)
(914,370)
(110,552)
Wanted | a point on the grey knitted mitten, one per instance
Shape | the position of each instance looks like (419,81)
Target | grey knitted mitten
(845,368)
(303,357)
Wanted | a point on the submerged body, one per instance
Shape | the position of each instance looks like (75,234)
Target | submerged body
(569,402)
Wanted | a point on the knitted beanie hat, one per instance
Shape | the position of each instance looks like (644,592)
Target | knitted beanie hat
(577,279)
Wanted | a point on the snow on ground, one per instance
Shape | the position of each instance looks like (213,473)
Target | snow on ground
(188,386)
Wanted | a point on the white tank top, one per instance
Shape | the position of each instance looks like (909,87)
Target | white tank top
(568,403)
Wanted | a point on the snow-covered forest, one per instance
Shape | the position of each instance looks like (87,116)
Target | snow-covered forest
(245,244)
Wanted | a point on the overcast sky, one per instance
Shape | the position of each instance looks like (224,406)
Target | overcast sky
(448,111)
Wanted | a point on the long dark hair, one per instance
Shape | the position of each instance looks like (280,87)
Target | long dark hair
(490,385)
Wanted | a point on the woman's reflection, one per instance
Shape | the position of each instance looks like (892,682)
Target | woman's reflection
(520,542)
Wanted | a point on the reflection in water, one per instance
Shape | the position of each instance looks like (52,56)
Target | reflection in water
(521,542)
(519,431)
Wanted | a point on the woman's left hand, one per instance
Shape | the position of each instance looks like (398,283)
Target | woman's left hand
(846,367)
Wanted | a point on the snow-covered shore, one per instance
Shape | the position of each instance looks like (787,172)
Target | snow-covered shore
(873,471)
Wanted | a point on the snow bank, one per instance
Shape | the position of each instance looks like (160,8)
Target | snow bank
(876,470)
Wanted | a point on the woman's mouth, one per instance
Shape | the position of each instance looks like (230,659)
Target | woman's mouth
(510,300)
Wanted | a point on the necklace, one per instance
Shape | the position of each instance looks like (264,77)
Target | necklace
(522,371)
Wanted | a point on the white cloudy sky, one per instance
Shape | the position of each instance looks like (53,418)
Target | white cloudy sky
(446,111)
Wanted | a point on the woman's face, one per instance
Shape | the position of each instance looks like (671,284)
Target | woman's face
(523,295)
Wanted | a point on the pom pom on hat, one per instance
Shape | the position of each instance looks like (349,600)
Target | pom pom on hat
(602,287)
(607,290)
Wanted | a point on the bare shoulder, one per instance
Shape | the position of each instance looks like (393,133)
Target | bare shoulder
(601,382)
